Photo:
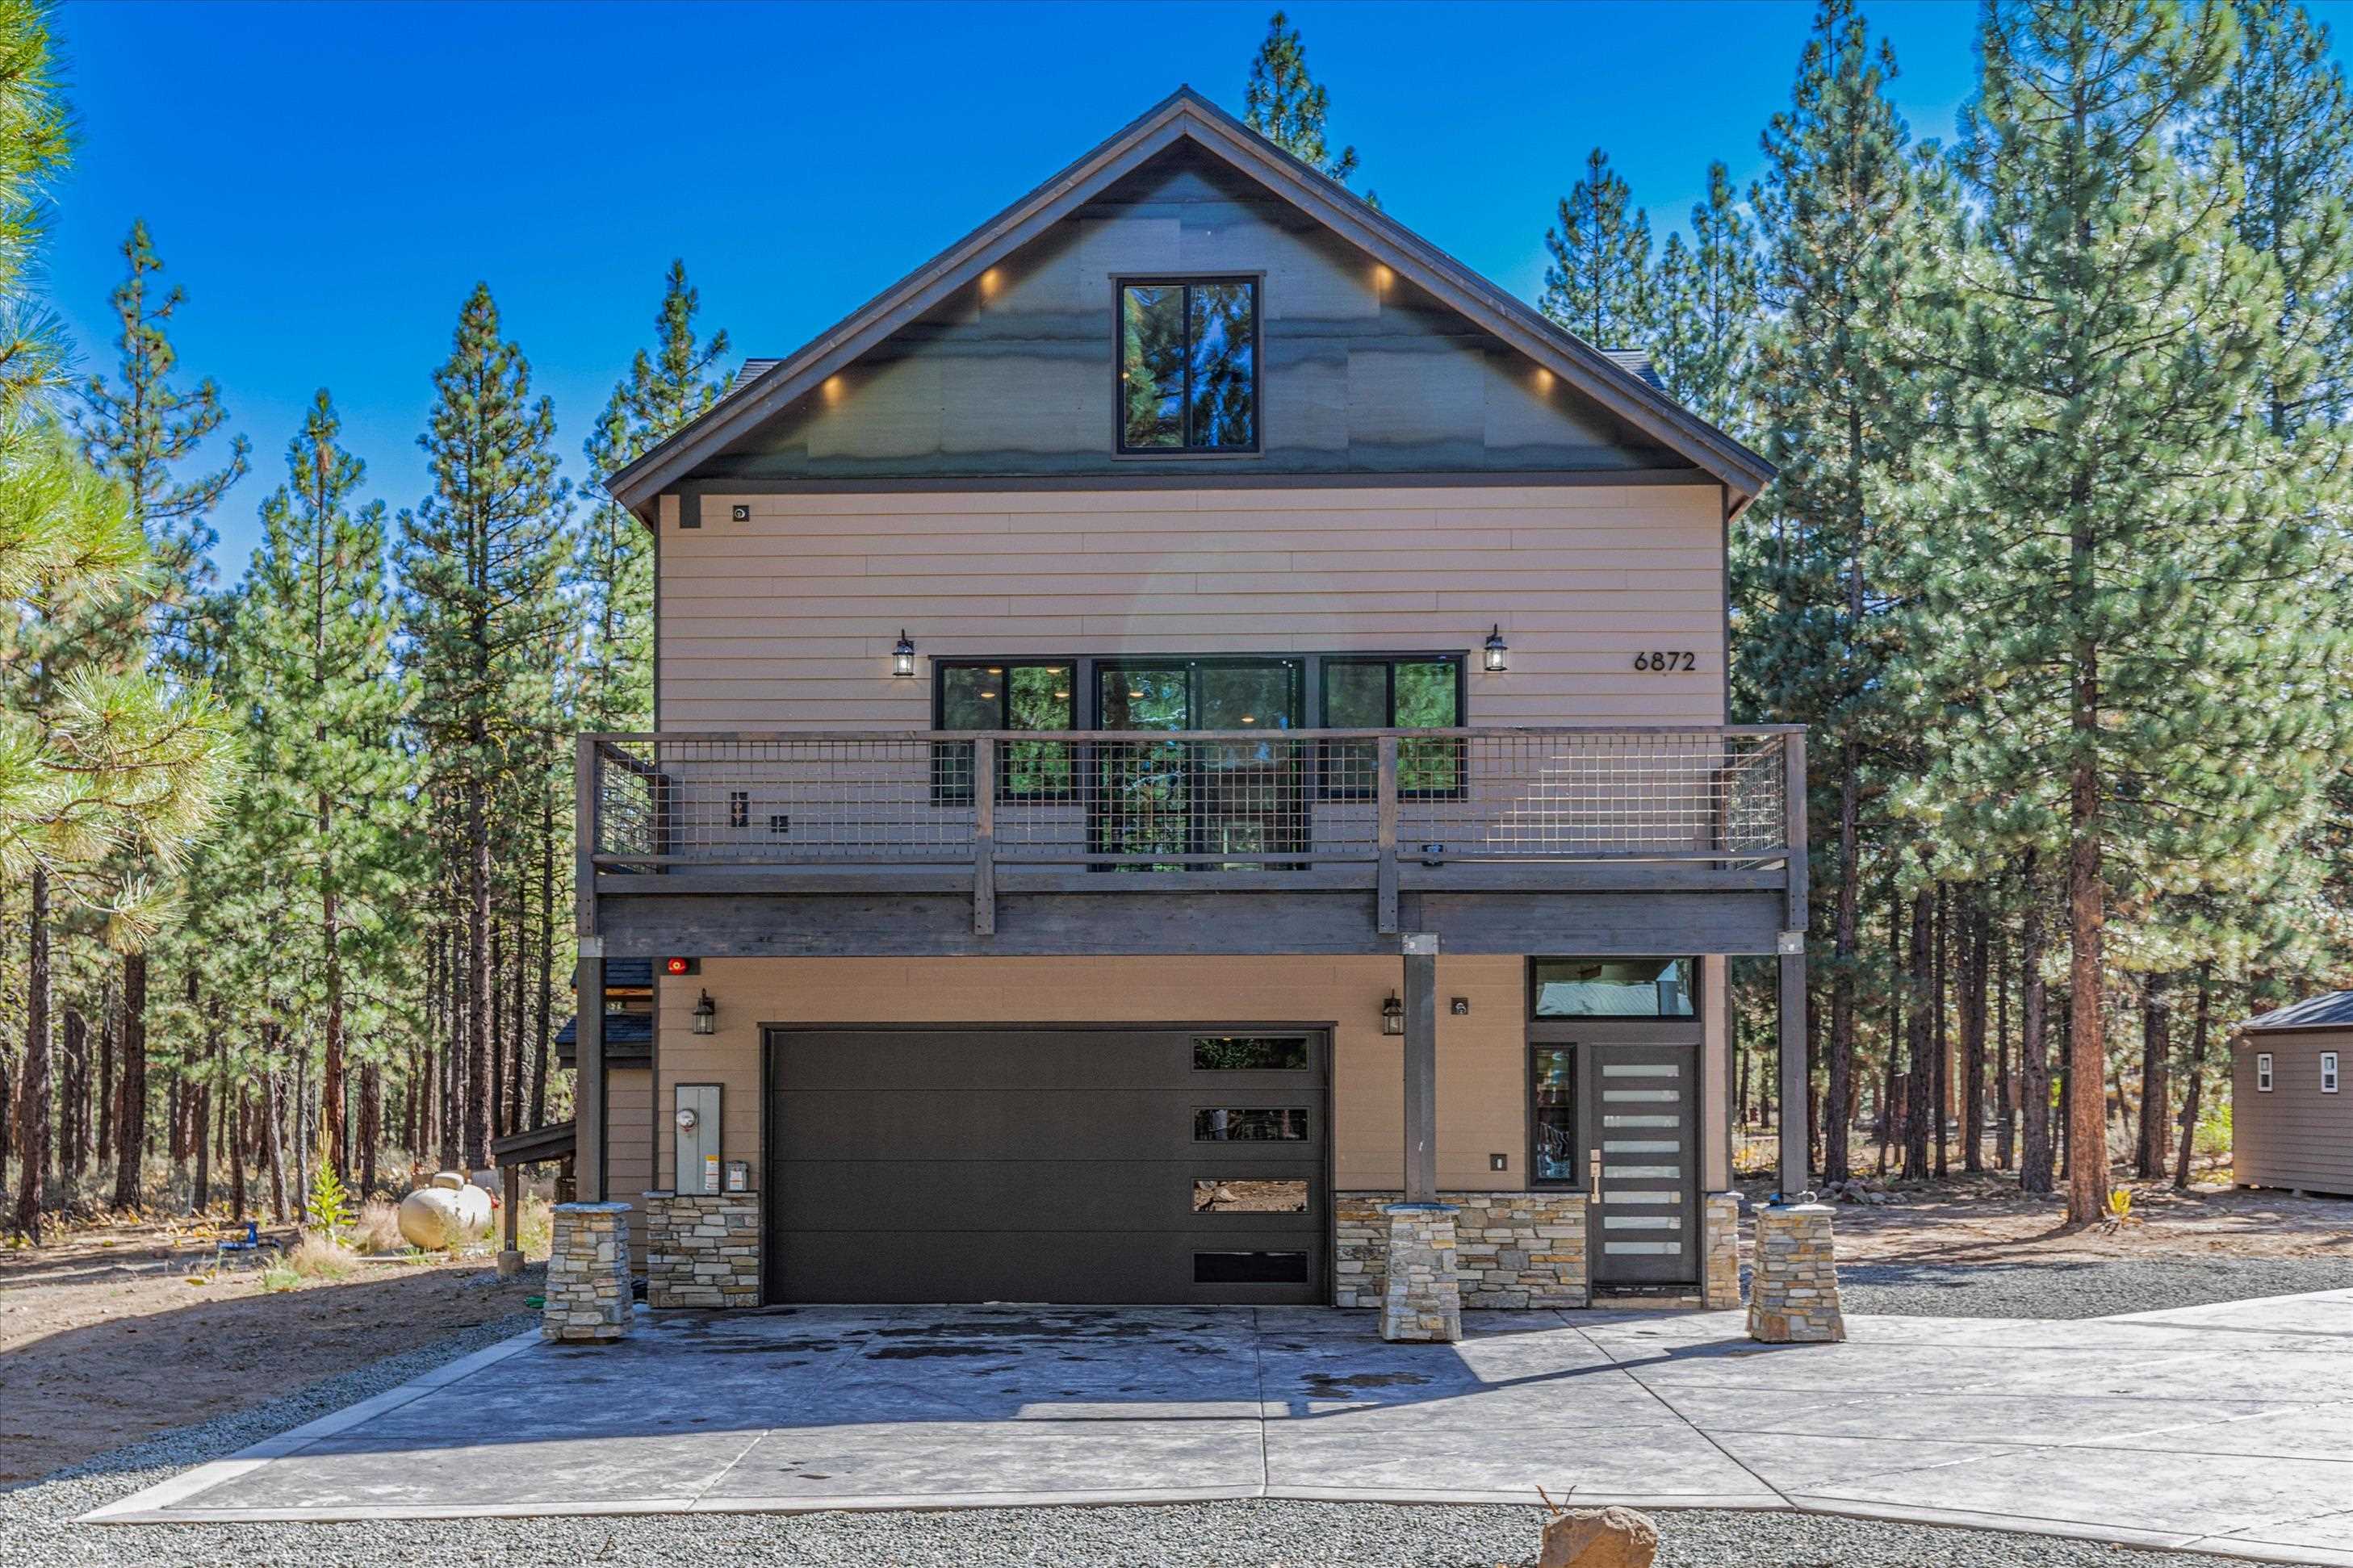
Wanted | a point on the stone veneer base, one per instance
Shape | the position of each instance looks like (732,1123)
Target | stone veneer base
(702,1249)
(1511,1250)
(1719,1241)
(1421,1299)
(587,1295)
(1793,1292)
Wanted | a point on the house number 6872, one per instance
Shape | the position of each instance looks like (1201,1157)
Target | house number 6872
(1665,662)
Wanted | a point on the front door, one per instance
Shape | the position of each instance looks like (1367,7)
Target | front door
(1203,804)
(1641,1118)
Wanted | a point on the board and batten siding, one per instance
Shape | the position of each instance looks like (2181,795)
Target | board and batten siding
(2294,1136)
(1481,1057)
(786,621)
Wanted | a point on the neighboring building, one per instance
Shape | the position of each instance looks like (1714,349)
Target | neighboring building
(1188,715)
(2291,1116)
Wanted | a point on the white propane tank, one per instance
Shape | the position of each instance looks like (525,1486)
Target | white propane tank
(446,1213)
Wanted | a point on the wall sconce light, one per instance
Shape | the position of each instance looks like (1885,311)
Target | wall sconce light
(902,656)
(706,1015)
(1393,1016)
(1496,647)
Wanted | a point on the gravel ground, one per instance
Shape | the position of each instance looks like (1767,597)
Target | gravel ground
(2078,1290)
(35,1529)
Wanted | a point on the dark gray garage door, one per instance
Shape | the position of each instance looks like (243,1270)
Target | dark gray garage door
(977,1164)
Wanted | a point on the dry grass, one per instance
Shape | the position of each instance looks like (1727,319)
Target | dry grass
(378,1230)
(316,1257)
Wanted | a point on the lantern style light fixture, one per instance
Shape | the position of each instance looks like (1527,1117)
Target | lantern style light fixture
(1496,647)
(1393,1016)
(902,656)
(706,1015)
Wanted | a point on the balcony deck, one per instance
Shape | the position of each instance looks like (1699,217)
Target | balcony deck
(897,843)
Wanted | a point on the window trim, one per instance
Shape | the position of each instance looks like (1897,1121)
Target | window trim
(947,794)
(1575,1048)
(2262,1072)
(1122,281)
(1697,971)
(1325,788)
(2329,1076)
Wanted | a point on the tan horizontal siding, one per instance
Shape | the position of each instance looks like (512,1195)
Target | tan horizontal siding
(2294,1136)
(628,1127)
(786,621)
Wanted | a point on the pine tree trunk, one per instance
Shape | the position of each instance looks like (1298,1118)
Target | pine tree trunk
(331,1078)
(108,1111)
(1919,1071)
(130,1140)
(33,1085)
(1941,1100)
(518,1014)
(272,1095)
(370,1123)
(201,1193)
(498,1026)
(238,1117)
(2087,1118)
(1975,938)
(546,958)
(2155,1053)
(475,1146)
(2194,1090)
(1838,1114)
(2034,1051)
(73,1100)
(2005,1138)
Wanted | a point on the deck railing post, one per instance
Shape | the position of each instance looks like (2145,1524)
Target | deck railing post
(1386,831)
(1793,786)
(984,836)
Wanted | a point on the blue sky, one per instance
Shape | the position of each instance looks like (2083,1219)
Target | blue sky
(327,181)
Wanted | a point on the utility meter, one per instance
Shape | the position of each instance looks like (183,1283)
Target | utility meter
(698,1139)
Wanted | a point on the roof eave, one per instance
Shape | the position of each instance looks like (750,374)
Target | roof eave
(1581,365)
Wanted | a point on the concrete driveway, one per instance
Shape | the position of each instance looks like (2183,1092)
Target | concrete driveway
(2228,1428)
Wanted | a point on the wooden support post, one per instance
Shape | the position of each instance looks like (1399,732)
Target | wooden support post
(512,1220)
(984,837)
(1420,1068)
(1795,1089)
(1385,832)
(1793,762)
(588,778)
(589,1078)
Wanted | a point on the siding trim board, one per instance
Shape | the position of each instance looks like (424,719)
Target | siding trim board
(1186,117)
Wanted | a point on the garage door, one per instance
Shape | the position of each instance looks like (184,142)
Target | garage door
(979,1164)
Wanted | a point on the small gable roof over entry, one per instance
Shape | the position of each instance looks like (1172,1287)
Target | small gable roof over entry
(1614,381)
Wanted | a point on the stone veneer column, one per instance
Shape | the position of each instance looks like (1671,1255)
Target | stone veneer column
(1512,1249)
(1720,1249)
(702,1249)
(1421,1299)
(1793,1295)
(588,1273)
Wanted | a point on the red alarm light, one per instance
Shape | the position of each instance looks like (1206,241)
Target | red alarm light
(678,966)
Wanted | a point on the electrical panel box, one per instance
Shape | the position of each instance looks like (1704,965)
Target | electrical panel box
(698,1139)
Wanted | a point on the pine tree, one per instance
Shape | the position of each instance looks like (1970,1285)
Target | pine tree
(330,778)
(1287,106)
(2125,669)
(1707,308)
(1598,284)
(142,433)
(1814,563)
(478,562)
(613,559)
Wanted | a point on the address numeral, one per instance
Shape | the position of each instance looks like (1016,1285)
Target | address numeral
(1665,661)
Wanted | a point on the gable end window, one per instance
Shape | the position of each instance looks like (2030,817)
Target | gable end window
(2262,1072)
(1189,365)
(2328,1072)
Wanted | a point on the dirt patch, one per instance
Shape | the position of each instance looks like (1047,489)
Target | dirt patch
(108,1337)
(1986,1219)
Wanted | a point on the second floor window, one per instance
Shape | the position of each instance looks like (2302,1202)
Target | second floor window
(1189,365)
(1007,695)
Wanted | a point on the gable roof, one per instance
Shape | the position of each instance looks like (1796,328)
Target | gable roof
(2329,1010)
(1616,382)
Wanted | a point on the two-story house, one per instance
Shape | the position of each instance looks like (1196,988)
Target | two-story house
(1187,719)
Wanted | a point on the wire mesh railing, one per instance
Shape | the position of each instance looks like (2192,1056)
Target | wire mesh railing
(1227,800)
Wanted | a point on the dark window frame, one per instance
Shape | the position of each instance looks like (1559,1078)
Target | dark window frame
(1575,1116)
(1120,284)
(1305,1040)
(1695,970)
(1306,1120)
(947,792)
(1325,788)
